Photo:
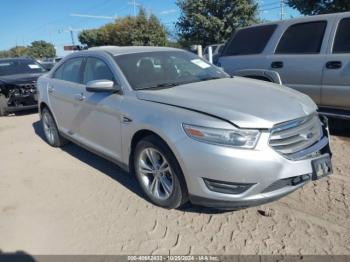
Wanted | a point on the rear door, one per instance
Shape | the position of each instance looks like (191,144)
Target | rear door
(62,89)
(98,118)
(336,78)
(300,56)
(246,49)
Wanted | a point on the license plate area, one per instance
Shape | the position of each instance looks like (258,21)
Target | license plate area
(321,167)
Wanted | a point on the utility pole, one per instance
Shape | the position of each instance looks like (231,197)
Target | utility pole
(72,35)
(134,4)
(282,10)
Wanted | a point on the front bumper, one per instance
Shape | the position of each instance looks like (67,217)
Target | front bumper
(262,167)
(22,102)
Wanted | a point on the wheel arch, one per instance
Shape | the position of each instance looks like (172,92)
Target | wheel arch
(42,106)
(143,133)
(137,137)
(260,74)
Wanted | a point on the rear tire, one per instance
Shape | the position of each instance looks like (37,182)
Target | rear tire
(159,174)
(51,132)
(3,105)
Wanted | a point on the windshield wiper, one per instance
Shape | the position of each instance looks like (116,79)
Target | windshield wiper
(210,78)
(160,86)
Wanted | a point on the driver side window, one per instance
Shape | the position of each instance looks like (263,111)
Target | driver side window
(96,69)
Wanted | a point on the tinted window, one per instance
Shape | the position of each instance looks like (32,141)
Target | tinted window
(19,66)
(250,41)
(342,39)
(305,38)
(70,70)
(165,69)
(96,69)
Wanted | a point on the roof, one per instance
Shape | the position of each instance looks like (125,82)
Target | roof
(305,19)
(120,50)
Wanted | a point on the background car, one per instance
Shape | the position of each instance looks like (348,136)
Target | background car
(18,77)
(49,63)
(311,55)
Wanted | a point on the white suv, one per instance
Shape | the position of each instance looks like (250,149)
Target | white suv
(311,55)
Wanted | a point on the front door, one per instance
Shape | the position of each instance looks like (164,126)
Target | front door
(336,77)
(298,58)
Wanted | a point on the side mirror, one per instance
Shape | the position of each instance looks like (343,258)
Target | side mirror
(102,86)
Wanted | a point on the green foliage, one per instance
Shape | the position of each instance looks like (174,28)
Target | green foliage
(208,22)
(14,52)
(316,7)
(139,30)
(41,49)
(38,49)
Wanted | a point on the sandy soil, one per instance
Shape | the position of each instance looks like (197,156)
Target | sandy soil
(70,201)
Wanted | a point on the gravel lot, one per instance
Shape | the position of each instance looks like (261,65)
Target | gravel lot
(70,201)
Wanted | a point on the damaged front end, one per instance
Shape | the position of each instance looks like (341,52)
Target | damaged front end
(17,97)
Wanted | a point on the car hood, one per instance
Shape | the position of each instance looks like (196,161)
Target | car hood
(19,79)
(244,102)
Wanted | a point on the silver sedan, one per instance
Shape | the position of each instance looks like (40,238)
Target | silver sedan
(185,128)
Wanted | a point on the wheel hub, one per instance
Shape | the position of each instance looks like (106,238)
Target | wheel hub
(156,174)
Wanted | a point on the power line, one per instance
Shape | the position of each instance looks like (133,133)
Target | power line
(93,16)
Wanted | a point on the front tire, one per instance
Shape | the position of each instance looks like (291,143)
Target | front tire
(159,174)
(51,132)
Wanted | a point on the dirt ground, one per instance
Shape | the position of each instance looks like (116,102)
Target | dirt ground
(69,201)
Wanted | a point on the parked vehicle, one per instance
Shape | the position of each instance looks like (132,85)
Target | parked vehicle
(49,63)
(18,77)
(184,127)
(311,55)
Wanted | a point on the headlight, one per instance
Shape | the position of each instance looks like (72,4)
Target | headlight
(241,138)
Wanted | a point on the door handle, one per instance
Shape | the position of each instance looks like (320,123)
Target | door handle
(277,64)
(334,64)
(79,97)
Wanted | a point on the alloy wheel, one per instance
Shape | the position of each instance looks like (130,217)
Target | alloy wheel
(156,173)
(49,128)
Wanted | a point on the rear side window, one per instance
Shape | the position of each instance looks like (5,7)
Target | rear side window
(250,40)
(342,38)
(304,38)
(69,71)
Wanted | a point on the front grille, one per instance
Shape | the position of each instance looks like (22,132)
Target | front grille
(293,139)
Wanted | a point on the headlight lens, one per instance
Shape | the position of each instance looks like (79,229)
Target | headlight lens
(241,138)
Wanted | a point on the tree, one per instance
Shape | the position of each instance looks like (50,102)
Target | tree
(139,30)
(16,51)
(38,49)
(41,49)
(316,7)
(208,22)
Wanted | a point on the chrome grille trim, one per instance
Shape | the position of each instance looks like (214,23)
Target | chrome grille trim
(298,139)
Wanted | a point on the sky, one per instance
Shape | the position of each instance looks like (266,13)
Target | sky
(24,21)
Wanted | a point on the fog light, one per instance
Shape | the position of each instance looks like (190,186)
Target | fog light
(226,187)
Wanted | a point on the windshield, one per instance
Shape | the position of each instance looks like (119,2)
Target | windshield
(19,66)
(164,69)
